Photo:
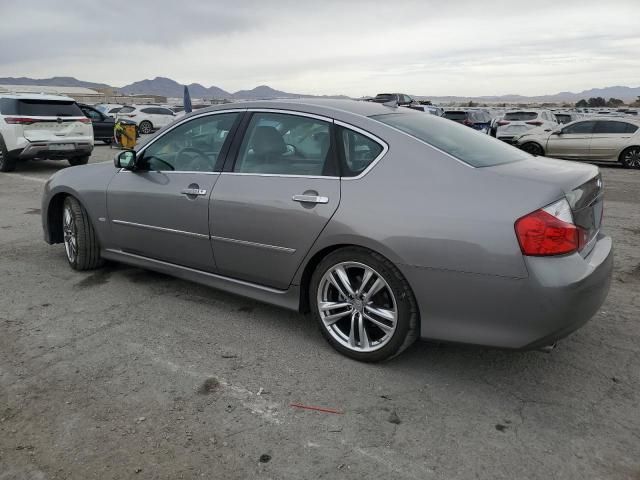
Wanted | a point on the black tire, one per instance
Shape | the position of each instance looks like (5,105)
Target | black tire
(533,148)
(145,127)
(407,325)
(87,252)
(7,164)
(630,157)
(75,161)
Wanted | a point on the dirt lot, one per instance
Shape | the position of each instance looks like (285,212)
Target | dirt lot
(123,373)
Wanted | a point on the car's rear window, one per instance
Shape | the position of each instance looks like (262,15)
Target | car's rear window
(521,116)
(466,144)
(455,115)
(39,108)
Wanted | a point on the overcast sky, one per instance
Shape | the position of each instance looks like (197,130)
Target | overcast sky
(446,47)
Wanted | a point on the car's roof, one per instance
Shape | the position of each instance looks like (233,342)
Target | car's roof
(36,96)
(315,105)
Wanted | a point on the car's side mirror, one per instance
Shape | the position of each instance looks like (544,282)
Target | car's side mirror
(126,160)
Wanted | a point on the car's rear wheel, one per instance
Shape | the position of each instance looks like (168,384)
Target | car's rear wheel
(7,164)
(533,148)
(145,127)
(630,157)
(80,240)
(363,305)
(75,161)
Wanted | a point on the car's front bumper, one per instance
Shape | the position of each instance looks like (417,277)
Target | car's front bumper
(48,150)
(559,295)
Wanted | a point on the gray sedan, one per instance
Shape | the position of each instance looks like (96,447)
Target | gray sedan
(387,224)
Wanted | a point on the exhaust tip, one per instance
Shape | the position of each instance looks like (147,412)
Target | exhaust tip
(548,348)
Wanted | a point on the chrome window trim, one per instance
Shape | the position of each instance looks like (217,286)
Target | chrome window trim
(159,229)
(283,175)
(255,244)
(174,172)
(371,136)
(290,112)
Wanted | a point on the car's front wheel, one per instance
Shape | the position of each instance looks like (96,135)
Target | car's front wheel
(630,157)
(145,127)
(80,239)
(533,148)
(363,305)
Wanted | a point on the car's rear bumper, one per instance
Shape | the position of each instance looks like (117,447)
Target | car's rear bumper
(560,295)
(48,150)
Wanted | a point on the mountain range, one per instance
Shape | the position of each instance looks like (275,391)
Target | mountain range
(170,88)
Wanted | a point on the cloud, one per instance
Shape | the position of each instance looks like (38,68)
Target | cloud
(353,47)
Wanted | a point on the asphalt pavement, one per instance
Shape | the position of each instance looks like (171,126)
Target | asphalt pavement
(123,373)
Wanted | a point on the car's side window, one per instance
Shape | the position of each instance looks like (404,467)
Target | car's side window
(631,128)
(607,126)
(283,144)
(580,127)
(148,111)
(193,146)
(358,151)
(92,114)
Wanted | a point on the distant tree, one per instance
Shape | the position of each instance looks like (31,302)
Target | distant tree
(582,103)
(636,103)
(614,102)
(597,102)
(471,104)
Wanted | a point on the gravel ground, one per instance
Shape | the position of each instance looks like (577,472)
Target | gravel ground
(123,373)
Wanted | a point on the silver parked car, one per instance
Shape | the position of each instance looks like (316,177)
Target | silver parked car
(386,223)
(612,139)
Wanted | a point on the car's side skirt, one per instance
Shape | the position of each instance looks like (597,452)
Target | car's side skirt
(289,298)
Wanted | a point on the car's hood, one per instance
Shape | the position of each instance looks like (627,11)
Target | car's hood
(93,176)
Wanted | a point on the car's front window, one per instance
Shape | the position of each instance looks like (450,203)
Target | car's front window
(579,127)
(465,144)
(191,146)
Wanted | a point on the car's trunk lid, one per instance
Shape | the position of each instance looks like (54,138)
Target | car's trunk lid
(55,129)
(580,183)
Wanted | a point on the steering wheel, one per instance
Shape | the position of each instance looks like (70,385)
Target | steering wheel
(199,164)
(293,151)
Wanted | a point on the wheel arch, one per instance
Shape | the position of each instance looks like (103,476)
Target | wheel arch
(625,149)
(53,216)
(536,142)
(303,278)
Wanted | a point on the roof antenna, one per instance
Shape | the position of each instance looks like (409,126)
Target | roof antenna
(391,103)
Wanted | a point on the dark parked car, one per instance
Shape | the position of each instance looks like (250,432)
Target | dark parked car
(102,124)
(401,99)
(476,119)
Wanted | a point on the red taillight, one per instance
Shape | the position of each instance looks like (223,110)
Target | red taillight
(537,123)
(20,120)
(503,122)
(84,120)
(547,232)
(467,123)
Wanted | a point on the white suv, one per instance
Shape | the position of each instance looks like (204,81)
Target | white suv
(36,126)
(147,117)
(517,122)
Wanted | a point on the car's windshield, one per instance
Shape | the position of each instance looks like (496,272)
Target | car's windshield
(521,116)
(455,115)
(466,144)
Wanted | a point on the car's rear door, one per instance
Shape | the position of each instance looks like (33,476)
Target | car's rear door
(161,210)
(609,139)
(572,142)
(279,189)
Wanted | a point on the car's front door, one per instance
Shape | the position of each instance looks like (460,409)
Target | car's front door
(161,209)
(275,197)
(102,125)
(572,141)
(609,139)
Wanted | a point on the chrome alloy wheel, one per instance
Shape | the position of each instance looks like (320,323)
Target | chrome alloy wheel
(357,306)
(69,233)
(632,157)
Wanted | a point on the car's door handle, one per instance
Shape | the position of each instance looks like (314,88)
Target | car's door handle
(193,191)
(310,199)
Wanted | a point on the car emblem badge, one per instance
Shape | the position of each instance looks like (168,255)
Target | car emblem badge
(59,120)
